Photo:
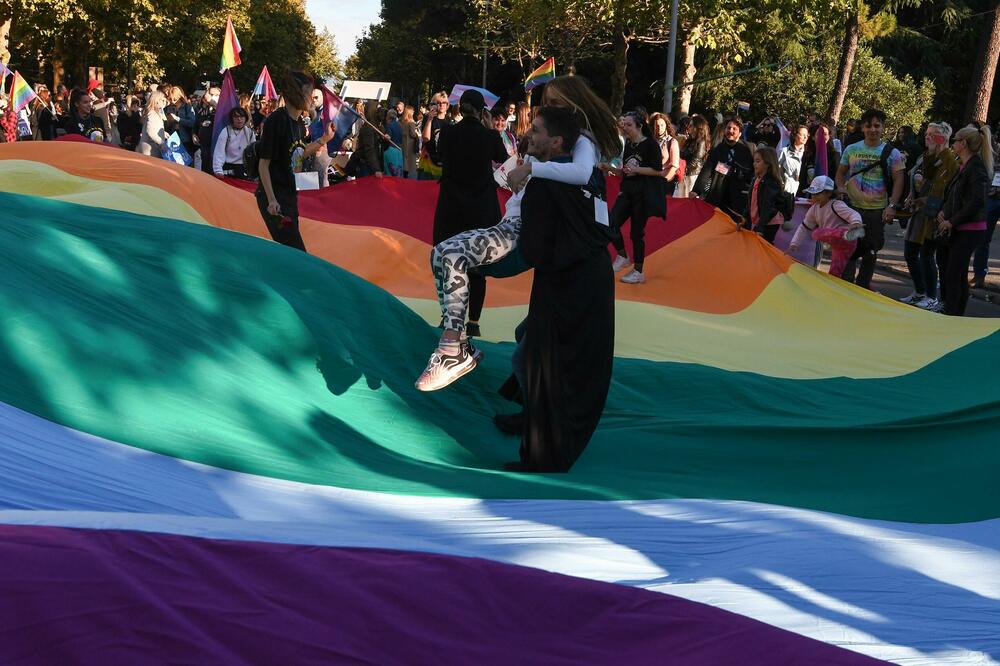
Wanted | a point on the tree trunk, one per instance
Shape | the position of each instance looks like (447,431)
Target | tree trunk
(4,36)
(852,35)
(977,105)
(58,65)
(618,76)
(690,70)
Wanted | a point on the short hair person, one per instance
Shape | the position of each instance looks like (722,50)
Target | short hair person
(281,151)
(568,344)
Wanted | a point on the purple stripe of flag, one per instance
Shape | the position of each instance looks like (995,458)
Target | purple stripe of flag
(104,596)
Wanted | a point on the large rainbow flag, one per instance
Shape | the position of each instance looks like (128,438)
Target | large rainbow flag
(212,450)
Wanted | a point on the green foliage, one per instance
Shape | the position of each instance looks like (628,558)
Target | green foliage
(804,87)
(325,61)
(167,38)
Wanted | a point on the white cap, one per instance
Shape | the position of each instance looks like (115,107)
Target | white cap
(821,184)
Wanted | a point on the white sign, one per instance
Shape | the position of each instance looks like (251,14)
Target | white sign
(369,90)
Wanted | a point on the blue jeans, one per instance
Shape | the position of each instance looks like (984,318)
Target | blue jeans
(981,258)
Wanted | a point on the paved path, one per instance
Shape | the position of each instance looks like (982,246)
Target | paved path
(893,280)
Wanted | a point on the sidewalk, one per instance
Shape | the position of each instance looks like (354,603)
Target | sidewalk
(890,259)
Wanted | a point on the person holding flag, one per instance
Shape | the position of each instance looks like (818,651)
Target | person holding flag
(281,151)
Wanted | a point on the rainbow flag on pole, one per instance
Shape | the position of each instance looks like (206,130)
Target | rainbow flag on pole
(543,74)
(230,48)
(21,93)
(265,87)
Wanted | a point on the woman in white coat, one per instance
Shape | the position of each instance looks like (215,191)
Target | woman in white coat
(154,138)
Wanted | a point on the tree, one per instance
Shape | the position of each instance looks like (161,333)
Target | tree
(801,88)
(325,57)
(981,86)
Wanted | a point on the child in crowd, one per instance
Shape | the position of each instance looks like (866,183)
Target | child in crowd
(830,221)
(764,201)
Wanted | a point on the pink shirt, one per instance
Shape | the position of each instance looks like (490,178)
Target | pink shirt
(832,215)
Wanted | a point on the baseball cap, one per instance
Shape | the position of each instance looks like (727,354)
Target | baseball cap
(473,98)
(821,184)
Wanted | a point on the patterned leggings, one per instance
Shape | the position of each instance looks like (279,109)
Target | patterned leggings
(452,259)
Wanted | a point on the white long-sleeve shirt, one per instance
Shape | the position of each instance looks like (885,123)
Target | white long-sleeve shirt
(229,147)
(577,172)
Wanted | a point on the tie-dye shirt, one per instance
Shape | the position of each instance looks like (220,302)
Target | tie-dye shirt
(867,190)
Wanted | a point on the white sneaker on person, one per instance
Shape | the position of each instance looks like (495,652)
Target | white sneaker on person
(926,302)
(912,298)
(620,262)
(443,368)
(633,277)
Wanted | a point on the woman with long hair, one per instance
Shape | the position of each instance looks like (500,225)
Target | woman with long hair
(665,137)
(411,142)
(962,220)
(642,168)
(154,136)
(764,199)
(696,147)
(452,259)
(790,158)
(282,151)
(181,117)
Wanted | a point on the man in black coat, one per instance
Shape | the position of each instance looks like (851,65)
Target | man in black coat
(468,195)
(569,335)
(725,178)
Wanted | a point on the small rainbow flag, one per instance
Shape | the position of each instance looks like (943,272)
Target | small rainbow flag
(230,48)
(543,74)
(21,93)
(265,87)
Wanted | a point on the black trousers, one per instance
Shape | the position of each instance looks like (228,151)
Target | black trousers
(868,249)
(953,262)
(630,206)
(283,228)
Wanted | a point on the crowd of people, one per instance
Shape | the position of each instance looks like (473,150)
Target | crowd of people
(556,158)
(920,179)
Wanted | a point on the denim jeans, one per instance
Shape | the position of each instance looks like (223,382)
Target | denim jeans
(981,259)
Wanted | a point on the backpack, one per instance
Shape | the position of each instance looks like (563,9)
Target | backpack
(251,160)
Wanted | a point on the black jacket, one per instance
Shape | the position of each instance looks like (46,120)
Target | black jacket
(768,200)
(370,148)
(468,195)
(727,192)
(965,197)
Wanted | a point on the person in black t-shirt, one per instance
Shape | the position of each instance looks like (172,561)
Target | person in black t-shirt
(435,121)
(282,150)
(641,191)
(81,119)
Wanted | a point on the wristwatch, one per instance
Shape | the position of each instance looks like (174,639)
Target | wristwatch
(892,205)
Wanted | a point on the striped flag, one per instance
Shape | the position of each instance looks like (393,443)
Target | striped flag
(264,87)
(230,48)
(543,74)
(336,110)
(21,93)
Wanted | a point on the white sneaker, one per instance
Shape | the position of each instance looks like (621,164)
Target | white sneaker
(633,277)
(443,369)
(936,306)
(926,302)
(620,262)
(912,298)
